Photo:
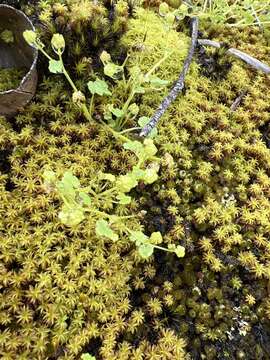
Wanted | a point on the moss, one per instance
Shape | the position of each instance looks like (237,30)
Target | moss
(10,78)
(219,172)
(65,291)
(88,28)
(65,298)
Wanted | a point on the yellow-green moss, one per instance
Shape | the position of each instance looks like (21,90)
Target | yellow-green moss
(10,78)
(217,186)
(66,291)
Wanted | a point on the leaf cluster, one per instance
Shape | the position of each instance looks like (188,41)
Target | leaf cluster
(79,201)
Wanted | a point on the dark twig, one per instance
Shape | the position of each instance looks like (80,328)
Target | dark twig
(179,85)
(255,63)
(238,100)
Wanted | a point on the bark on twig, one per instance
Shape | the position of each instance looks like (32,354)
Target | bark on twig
(255,63)
(179,85)
(238,100)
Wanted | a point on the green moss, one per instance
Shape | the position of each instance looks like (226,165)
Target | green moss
(10,78)
(217,176)
(149,39)
(65,291)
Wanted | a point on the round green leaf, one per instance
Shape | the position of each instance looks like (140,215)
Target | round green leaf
(30,36)
(180,251)
(156,238)
(99,87)
(170,18)
(157,82)
(85,198)
(71,216)
(117,112)
(134,146)
(70,179)
(149,147)
(138,237)
(146,250)
(123,199)
(133,109)
(55,66)
(87,356)
(164,9)
(126,182)
(103,229)
(49,176)
(109,177)
(113,71)
(150,176)
(138,174)
(143,120)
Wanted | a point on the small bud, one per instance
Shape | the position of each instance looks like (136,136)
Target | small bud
(170,18)
(164,9)
(184,8)
(78,97)
(58,42)
(87,60)
(105,57)
(133,109)
(30,37)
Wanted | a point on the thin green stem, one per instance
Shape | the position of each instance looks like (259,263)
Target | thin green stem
(43,51)
(101,213)
(162,248)
(205,5)
(67,202)
(106,192)
(129,130)
(153,69)
(91,105)
(115,133)
(121,121)
(83,106)
(66,74)
(90,191)
(86,112)
(126,59)
(128,83)
(127,217)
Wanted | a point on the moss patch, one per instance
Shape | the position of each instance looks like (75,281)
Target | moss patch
(10,78)
(65,291)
